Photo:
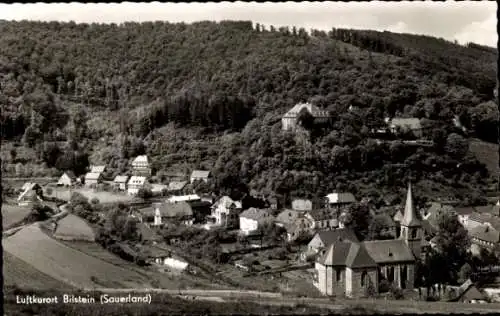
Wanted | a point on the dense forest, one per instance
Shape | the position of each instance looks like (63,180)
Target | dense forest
(211,95)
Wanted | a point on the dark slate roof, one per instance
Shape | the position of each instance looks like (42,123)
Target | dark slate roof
(464,210)
(469,291)
(328,237)
(340,198)
(387,251)
(257,214)
(352,255)
(486,218)
(486,233)
(179,209)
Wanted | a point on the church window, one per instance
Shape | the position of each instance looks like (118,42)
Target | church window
(363,278)
(413,233)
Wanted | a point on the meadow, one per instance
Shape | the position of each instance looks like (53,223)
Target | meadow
(72,227)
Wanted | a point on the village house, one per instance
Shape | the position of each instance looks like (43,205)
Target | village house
(30,192)
(324,238)
(225,213)
(176,187)
(92,179)
(141,167)
(322,219)
(289,120)
(302,205)
(67,179)
(463,214)
(399,124)
(350,268)
(479,219)
(135,183)
(339,200)
(295,223)
(252,219)
(484,236)
(184,198)
(160,213)
(97,169)
(198,175)
(120,183)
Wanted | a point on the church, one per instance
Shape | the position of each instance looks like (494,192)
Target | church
(349,268)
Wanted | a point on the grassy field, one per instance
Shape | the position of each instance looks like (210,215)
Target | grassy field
(103,197)
(162,280)
(67,264)
(18,273)
(12,214)
(72,227)
(486,153)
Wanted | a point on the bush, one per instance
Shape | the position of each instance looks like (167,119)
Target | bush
(384,286)
(396,293)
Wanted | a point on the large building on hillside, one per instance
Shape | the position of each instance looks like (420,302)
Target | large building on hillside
(290,119)
(347,267)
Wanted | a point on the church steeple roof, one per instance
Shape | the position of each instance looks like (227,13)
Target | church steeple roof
(410,218)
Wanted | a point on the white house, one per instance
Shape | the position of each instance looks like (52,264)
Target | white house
(251,219)
(120,182)
(92,179)
(97,169)
(200,175)
(135,184)
(140,166)
(30,192)
(339,199)
(323,219)
(67,179)
(225,212)
(289,120)
(302,205)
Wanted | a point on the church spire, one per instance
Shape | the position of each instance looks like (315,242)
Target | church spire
(410,218)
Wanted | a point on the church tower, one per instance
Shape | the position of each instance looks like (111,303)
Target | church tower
(411,226)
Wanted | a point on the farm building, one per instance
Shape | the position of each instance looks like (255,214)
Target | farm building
(184,198)
(164,258)
(135,184)
(141,166)
(469,293)
(161,213)
(67,179)
(120,183)
(484,236)
(202,175)
(290,119)
(30,192)
(92,179)
(252,219)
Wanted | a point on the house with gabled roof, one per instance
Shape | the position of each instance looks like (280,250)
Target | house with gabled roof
(253,218)
(323,219)
(141,166)
(92,179)
(176,187)
(302,205)
(120,182)
(469,293)
(198,175)
(337,199)
(67,179)
(184,198)
(290,119)
(97,169)
(160,213)
(225,212)
(30,192)
(135,183)
(484,236)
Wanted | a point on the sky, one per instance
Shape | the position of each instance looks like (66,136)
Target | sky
(464,21)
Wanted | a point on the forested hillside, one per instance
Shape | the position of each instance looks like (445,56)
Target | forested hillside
(211,95)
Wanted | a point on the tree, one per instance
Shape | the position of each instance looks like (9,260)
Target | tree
(457,146)
(145,193)
(465,273)
(357,217)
